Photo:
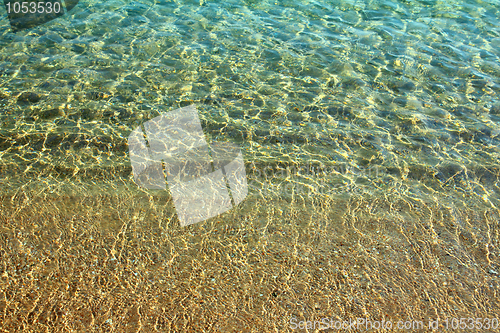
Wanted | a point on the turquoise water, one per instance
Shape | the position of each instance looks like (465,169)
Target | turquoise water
(370,135)
(406,88)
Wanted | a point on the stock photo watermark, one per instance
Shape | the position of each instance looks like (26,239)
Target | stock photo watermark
(363,324)
(204,180)
(29,14)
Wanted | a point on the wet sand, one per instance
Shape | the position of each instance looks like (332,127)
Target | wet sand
(122,263)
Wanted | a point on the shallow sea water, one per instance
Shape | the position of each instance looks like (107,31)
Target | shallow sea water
(370,134)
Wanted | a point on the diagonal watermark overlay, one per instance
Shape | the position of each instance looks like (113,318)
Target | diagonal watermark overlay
(204,180)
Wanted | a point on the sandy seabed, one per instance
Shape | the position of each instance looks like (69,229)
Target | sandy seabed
(408,88)
(122,263)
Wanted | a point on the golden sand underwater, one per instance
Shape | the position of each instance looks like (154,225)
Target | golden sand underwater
(370,136)
(122,263)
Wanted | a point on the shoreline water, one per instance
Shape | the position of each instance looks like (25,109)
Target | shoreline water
(369,132)
(121,262)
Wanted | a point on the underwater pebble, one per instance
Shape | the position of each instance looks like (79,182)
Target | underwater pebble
(29,97)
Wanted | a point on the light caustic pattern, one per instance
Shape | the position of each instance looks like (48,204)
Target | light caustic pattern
(392,104)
